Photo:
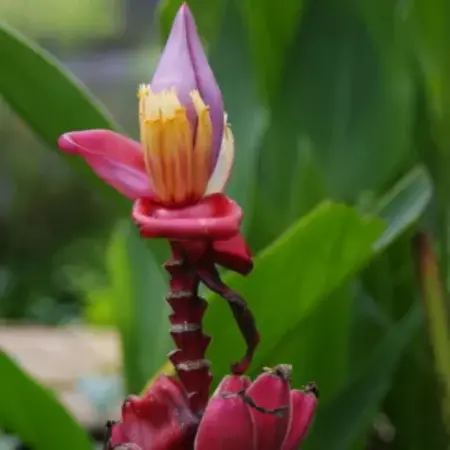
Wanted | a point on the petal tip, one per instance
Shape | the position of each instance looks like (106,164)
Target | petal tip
(185,12)
(66,144)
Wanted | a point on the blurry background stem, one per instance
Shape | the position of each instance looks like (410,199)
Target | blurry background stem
(437,312)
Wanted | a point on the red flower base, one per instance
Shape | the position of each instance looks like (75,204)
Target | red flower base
(215,217)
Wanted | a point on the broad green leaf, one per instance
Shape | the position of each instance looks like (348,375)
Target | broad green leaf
(32,413)
(271,35)
(305,189)
(428,27)
(49,99)
(389,282)
(385,22)
(318,346)
(427,24)
(341,97)
(340,423)
(137,288)
(308,188)
(327,329)
(401,207)
(414,403)
(333,239)
(404,204)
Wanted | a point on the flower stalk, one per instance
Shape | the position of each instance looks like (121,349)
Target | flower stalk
(191,366)
(192,263)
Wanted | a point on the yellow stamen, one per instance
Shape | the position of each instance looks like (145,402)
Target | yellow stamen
(152,138)
(179,172)
(202,150)
(183,164)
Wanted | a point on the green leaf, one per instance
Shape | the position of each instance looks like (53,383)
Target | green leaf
(305,189)
(271,37)
(390,281)
(31,412)
(324,331)
(414,403)
(334,240)
(427,24)
(327,329)
(137,289)
(344,99)
(48,98)
(401,207)
(340,423)
(404,204)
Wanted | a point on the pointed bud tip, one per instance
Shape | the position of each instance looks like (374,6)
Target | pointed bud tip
(184,7)
(282,371)
(311,388)
(232,384)
(183,11)
(270,394)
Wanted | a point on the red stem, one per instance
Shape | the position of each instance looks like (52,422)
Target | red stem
(191,343)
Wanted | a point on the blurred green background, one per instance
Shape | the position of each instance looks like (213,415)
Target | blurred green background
(341,115)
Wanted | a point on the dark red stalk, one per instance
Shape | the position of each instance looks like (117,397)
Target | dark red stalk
(191,343)
(192,263)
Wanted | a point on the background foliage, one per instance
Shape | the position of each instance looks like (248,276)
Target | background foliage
(341,112)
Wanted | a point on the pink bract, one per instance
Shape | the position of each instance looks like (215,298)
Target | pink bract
(116,159)
(231,421)
(263,415)
(160,420)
